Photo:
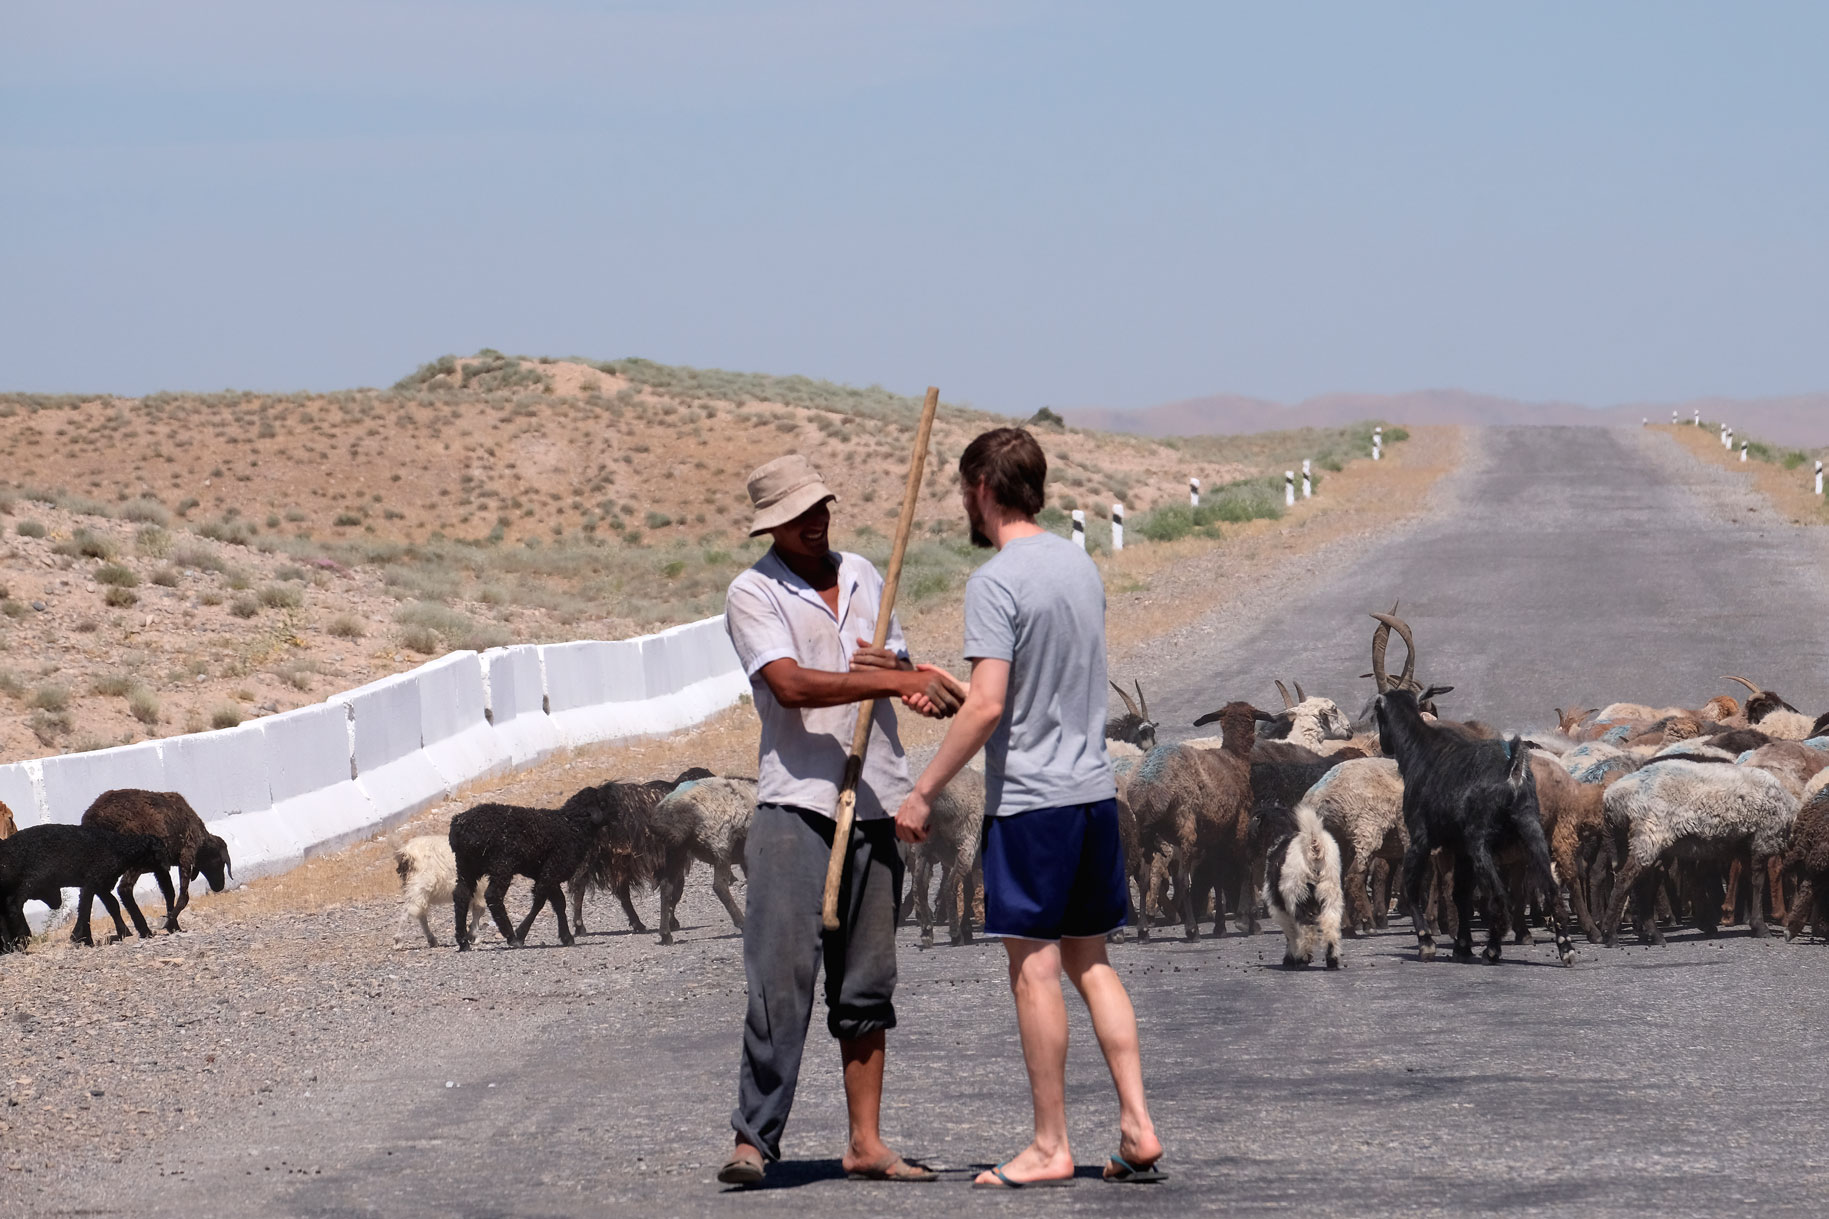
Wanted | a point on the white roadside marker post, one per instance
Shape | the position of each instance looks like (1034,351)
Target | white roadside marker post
(1743,450)
(1289,488)
(1673,418)
(1377,443)
(1730,440)
(1307,481)
(1819,478)
(1117,527)
(1698,418)
(1644,421)
(1079,529)
(1193,493)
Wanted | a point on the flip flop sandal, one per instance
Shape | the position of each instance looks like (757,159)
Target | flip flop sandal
(1122,1172)
(896,1169)
(1004,1182)
(740,1170)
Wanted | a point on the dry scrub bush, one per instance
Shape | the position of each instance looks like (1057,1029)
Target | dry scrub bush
(345,626)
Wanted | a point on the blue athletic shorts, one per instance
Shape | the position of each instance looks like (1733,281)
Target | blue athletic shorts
(1054,873)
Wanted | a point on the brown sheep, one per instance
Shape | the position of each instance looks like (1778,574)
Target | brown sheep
(7,825)
(1807,864)
(1195,801)
(189,846)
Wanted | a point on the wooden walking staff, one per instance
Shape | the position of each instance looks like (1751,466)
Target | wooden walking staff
(866,712)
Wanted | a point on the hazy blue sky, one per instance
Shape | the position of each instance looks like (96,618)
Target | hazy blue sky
(1023,203)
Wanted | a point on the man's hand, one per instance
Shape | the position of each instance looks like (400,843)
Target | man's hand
(911,818)
(940,696)
(868,657)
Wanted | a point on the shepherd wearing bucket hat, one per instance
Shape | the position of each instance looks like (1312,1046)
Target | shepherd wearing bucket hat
(801,620)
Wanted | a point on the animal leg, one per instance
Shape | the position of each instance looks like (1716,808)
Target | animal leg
(923,896)
(1329,931)
(969,899)
(1353,866)
(1463,908)
(125,890)
(555,897)
(578,902)
(672,884)
(1775,876)
(1623,884)
(1755,897)
(174,908)
(621,889)
(496,891)
(461,897)
(1381,893)
(1417,871)
(1190,905)
(721,876)
(1292,937)
(425,925)
(1801,902)
(1503,901)
(114,912)
(1519,904)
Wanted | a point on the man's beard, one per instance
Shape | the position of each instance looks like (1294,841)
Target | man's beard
(979,538)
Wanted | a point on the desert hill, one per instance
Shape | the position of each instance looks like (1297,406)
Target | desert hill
(182,560)
(1800,421)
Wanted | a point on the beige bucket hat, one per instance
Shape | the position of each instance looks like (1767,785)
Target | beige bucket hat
(782,490)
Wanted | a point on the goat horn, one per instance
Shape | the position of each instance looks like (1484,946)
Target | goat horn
(1381,639)
(1142,703)
(1285,693)
(1300,697)
(1391,622)
(1128,705)
(1743,681)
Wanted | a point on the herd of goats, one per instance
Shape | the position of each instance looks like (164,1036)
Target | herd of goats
(1658,816)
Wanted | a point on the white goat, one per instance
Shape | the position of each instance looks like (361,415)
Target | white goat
(1302,888)
(428,874)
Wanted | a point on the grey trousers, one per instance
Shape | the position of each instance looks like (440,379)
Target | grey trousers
(784,945)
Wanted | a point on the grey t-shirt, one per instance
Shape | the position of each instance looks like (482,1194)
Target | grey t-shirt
(1039,604)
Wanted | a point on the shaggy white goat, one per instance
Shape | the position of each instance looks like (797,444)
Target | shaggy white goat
(1302,888)
(428,874)
(1360,803)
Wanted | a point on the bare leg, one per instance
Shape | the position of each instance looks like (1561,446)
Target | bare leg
(1114,1022)
(863,1059)
(1041,1017)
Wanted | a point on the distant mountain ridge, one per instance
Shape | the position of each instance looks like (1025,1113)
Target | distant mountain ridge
(1801,420)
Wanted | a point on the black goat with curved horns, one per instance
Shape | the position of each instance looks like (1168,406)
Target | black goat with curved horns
(1381,642)
(1473,799)
(1134,726)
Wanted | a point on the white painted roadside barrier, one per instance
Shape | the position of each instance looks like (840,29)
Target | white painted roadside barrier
(1193,493)
(288,786)
(1079,528)
(1117,521)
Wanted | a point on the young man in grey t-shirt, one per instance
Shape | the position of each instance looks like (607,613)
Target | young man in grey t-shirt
(1054,879)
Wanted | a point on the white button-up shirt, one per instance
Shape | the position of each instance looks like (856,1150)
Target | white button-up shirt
(771,613)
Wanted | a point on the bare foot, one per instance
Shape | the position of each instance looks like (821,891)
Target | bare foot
(1032,1164)
(863,1155)
(1140,1148)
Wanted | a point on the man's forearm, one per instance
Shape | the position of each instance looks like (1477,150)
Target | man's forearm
(812,688)
(965,736)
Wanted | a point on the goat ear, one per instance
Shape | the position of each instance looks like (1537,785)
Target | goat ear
(1206,719)
(1432,691)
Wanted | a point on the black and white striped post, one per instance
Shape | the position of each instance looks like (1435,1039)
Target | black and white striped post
(1193,493)
(1673,418)
(1117,527)
(1743,450)
(1079,529)
(1819,478)
(1698,418)
(1289,488)
(1728,444)
(1724,435)
(1377,444)
(1307,481)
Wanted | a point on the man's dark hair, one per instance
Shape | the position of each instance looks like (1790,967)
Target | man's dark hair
(1011,464)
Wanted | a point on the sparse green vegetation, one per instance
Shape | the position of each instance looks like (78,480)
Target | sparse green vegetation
(346,626)
(226,715)
(29,529)
(116,575)
(245,606)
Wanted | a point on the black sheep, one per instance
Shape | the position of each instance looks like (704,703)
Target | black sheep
(623,851)
(503,841)
(40,862)
(1473,799)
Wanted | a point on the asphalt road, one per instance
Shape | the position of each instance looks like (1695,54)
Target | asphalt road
(1687,1080)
